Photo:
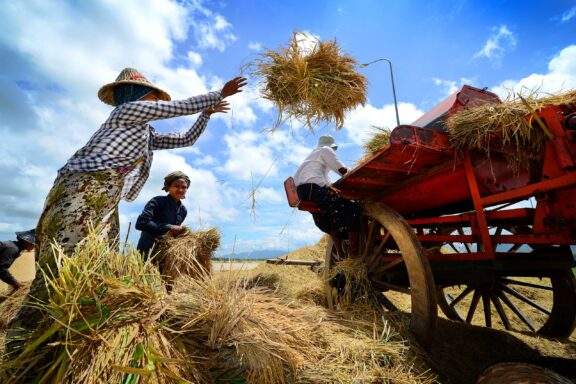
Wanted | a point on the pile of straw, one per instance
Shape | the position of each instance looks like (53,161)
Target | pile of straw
(249,333)
(109,320)
(357,288)
(182,255)
(320,85)
(102,324)
(505,126)
(11,303)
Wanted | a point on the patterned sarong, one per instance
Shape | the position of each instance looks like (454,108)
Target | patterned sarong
(75,202)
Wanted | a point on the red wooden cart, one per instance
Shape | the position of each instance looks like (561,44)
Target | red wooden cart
(449,230)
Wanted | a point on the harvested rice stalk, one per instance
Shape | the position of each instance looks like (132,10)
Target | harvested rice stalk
(353,275)
(251,333)
(102,324)
(506,127)
(319,85)
(380,138)
(188,254)
(10,304)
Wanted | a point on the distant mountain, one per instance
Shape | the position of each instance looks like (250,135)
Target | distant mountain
(254,255)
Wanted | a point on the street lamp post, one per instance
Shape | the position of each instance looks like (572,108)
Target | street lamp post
(393,87)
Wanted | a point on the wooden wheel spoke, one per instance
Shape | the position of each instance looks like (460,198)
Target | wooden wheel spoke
(487,313)
(461,233)
(498,231)
(385,267)
(393,287)
(526,284)
(462,295)
(523,298)
(374,256)
(514,248)
(501,312)
(516,311)
(453,247)
(369,239)
(473,305)
(387,303)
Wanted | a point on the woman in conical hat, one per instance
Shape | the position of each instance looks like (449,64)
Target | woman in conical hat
(113,165)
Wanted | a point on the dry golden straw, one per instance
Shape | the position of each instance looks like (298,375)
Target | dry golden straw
(102,324)
(316,86)
(10,304)
(189,253)
(109,320)
(379,139)
(507,127)
(249,333)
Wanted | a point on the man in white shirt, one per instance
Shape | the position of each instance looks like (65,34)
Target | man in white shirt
(339,217)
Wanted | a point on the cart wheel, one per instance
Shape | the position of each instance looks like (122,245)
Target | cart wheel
(546,305)
(395,262)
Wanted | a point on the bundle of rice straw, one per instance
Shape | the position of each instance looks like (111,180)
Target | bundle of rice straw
(11,303)
(102,324)
(379,139)
(314,85)
(506,126)
(250,333)
(358,287)
(187,254)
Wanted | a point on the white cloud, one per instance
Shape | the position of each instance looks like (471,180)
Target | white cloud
(253,46)
(250,156)
(568,15)
(448,87)
(360,122)
(194,58)
(499,42)
(206,160)
(561,76)
(211,29)
(307,41)
(268,195)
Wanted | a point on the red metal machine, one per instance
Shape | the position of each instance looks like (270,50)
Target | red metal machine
(464,232)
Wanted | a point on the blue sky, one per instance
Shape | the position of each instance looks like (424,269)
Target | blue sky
(54,56)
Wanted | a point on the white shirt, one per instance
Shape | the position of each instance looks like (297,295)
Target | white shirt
(315,168)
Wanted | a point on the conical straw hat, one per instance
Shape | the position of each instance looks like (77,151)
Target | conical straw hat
(128,76)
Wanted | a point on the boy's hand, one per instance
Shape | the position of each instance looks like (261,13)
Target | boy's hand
(222,106)
(233,86)
(175,230)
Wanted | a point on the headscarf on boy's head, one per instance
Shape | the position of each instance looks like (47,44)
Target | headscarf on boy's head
(171,177)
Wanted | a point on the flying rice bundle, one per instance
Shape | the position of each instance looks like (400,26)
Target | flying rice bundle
(505,125)
(313,85)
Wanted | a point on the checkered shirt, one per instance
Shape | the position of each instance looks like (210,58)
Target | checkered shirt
(126,140)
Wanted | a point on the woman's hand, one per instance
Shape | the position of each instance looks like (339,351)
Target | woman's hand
(222,106)
(233,86)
